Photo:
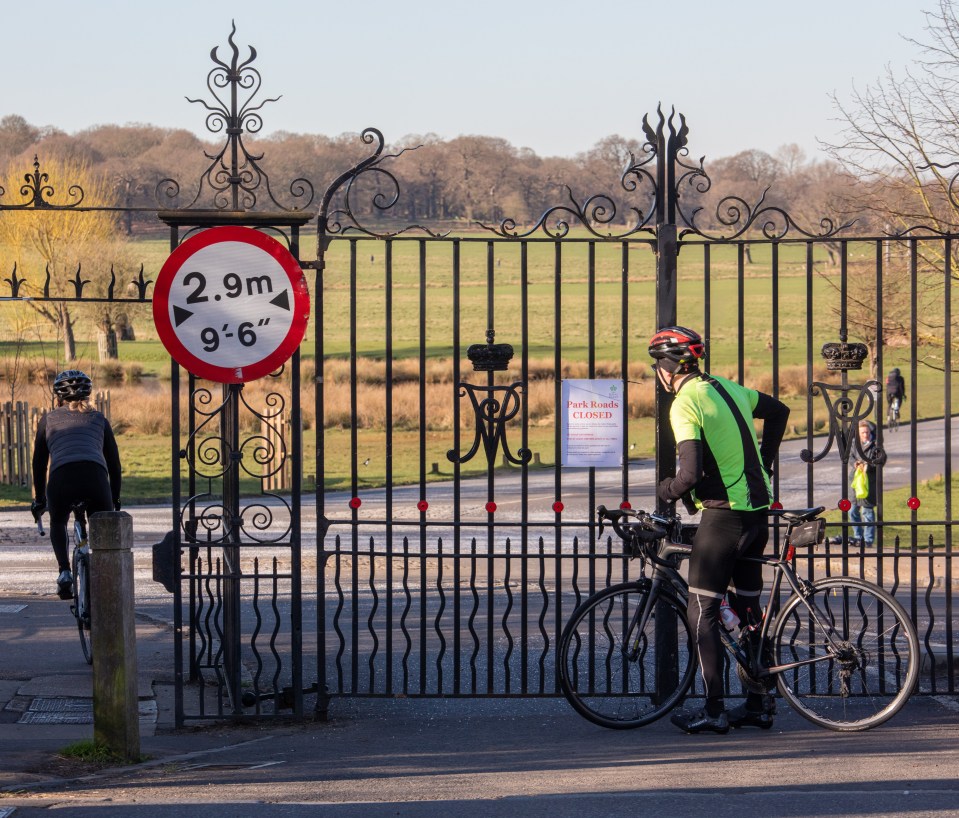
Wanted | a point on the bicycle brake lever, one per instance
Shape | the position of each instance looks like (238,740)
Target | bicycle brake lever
(40,530)
(600,514)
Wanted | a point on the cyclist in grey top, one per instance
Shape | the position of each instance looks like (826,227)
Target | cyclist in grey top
(78,443)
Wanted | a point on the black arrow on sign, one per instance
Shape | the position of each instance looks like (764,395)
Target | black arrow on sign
(282,300)
(180,315)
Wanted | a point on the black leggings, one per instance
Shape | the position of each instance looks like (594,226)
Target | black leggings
(69,484)
(715,567)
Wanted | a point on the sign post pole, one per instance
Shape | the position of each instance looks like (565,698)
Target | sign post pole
(232,571)
(230,305)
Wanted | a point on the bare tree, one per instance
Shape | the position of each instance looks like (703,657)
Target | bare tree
(900,134)
(901,141)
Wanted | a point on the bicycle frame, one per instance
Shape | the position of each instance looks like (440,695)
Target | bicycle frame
(663,571)
(825,633)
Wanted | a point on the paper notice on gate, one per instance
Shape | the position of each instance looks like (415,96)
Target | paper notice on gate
(592,419)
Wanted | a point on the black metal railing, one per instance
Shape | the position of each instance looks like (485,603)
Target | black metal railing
(451,543)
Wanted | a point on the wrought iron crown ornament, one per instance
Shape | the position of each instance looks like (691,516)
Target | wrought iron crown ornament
(844,356)
(490,357)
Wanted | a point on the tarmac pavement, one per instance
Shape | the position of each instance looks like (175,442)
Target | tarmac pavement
(408,757)
(439,757)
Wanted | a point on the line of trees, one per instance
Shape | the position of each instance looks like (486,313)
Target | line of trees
(895,169)
(454,181)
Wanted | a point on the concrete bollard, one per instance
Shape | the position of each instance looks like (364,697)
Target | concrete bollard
(116,717)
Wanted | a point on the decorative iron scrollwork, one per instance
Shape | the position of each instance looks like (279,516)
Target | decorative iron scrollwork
(235,176)
(596,211)
(951,191)
(210,455)
(599,210)
(493,406)
(852,403)
(37,190)
(668,176)
(736,213)
(345,219)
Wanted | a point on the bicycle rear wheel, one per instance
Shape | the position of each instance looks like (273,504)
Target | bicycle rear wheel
(892,419)
(613,674)
(81,601)
(860,666)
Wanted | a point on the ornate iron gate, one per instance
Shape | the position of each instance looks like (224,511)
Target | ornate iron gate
(458,584)
(450,547)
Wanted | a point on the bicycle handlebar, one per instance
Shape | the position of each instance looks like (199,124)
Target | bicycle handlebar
(659,525)
(655,524)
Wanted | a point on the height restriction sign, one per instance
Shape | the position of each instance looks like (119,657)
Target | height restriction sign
(231,304)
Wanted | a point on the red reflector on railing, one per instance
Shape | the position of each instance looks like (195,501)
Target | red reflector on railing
(844,504)
(491,506)
(356,502)
(558,507)
(913,503)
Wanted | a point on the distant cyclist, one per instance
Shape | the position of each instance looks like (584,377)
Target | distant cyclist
(723,470)
(895,390)
(78,442)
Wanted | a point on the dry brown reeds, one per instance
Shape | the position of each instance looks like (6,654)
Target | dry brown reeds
(145,408)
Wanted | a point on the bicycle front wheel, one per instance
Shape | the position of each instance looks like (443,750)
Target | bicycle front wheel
(619,675)
(855,667)
(81,602)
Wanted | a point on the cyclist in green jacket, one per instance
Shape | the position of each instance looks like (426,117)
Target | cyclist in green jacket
(724,471)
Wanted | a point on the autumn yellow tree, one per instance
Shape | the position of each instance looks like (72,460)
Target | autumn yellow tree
(54,229)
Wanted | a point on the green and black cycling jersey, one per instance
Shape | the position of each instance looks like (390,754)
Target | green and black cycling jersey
(721,463)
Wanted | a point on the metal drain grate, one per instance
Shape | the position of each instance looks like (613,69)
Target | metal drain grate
(65,710)
(10,609)
(58,710)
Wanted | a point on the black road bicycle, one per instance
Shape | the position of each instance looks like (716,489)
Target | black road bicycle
(80,564)
(842,651)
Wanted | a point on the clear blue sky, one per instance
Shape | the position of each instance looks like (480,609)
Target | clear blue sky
(552,75)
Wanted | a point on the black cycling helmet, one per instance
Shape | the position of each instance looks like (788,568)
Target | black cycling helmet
(679,347)
(72,385)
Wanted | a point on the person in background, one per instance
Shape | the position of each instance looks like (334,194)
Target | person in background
(78,444)
(863,484)
(895,390)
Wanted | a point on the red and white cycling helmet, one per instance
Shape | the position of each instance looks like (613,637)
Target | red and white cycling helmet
(681,346)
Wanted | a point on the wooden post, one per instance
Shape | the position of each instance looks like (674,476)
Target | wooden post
(116,716)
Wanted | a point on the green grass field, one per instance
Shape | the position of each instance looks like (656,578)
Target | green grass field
(558,328)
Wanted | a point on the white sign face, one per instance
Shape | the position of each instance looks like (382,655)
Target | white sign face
(231,304)
(222,304)
(592,420)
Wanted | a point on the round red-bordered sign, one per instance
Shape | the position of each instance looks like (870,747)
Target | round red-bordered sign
(231,304)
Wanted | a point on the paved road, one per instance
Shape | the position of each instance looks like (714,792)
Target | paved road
(826,477)
(432,758)
(27,568)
